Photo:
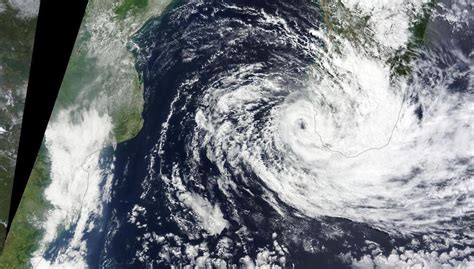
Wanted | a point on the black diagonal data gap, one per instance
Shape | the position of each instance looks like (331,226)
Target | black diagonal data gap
(57,27)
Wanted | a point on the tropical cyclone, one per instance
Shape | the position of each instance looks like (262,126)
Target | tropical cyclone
(359,147)
(335,139)
(273,135)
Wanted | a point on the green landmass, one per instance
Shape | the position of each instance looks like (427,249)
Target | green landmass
(130,6)
(83,73)
(16,46)
(128,120)
(341,21)
(401,62)
(86,83)
(24,234)
(81,70)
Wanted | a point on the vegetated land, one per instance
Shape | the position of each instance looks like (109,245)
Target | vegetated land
(86,81)
(342,21)
(24,235)
(16,47)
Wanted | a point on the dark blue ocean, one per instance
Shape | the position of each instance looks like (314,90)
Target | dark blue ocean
(181,55)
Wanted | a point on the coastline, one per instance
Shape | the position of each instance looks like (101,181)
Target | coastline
(100,80)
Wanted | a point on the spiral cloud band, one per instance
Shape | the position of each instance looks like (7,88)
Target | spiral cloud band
(288,134)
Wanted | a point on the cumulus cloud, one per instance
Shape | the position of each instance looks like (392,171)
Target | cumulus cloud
(455,258)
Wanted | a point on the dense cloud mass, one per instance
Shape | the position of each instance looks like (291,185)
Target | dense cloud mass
(273,137)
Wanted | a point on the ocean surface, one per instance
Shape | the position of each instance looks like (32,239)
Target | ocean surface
(268,141)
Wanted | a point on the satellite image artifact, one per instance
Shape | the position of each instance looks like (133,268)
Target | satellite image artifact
(17,30)
(258,134)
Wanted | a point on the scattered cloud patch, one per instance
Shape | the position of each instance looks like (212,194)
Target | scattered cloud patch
(26,8)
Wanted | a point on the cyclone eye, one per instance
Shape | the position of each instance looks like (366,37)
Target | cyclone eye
(302,124)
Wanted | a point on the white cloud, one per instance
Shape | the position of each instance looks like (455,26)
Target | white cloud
(74,140)
(26,8)
(3,7)
(456,258)
(350,143)
(209,216)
